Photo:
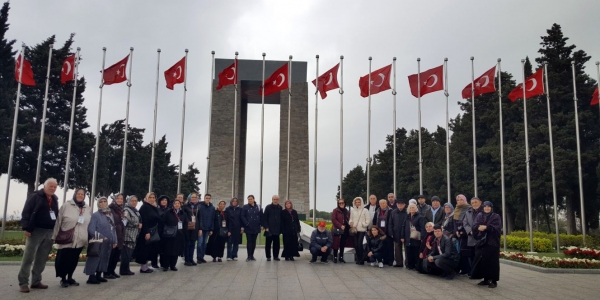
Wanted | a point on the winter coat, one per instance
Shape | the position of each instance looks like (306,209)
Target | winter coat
(448,225)
(173,246)
(383,218)
(251,218)
(397,220)
(423,209)
(375,244)
(119,225)
(218,221)
(360,218)
(272,219)
(493,229)
(132,228)
(104,227)
(368,207)
(290,224)
(68,217)
(319,239)
(338,218)
(190,210)
(448,248)
(439,216)
(207,216)
(234,224)
(36,212)
(468,221)
(150,218)
(418,222)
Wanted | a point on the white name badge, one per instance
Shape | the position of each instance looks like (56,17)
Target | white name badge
(223,224)
(179,225)
(382,223)
(193,218)
(52,215)
(124,222)
(80,220)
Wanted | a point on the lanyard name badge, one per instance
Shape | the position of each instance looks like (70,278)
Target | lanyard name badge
(193,215)
(223,223)
(382,222)
(81,219)
(179,223)
(52,215)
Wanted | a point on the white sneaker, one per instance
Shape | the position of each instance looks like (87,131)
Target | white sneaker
(381,265)
(229,259)
(372,264)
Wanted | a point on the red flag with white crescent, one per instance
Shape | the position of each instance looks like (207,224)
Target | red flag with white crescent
(380,81)
(534,86)
(432,80)
(116,73)
(278,81)
(67,73)
(483,84)
(27,77)
(595,97)
(175,74)
(228,75)
(328,81)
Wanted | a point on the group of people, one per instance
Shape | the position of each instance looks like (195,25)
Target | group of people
(436,240)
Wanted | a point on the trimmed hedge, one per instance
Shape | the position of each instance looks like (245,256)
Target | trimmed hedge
(566,240)
(522,244)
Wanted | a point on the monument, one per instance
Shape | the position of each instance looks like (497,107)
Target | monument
(221,168)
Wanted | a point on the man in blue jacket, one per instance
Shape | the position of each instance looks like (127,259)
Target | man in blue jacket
(207,215)
(320,243)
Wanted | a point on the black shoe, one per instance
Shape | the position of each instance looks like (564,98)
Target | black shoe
(219,260)
(92,280)
(127,273)
(341,260)
(215,259)
(324,261)
(493,285)
(287,259)
(450,276)
(291,259)
(99,278)
(248,259)
(484,282)
(202,261)
(109,276)
(335,260)
(148,271)
(165,269)
(362,263)
(72,282)
(193,263)
(253,259)
(312,261)
(174,269)
(268,259)
(155,267)
(187,263)
(64,284)
(276,259)
(116,276)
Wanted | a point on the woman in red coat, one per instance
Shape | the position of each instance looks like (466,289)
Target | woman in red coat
(340,230)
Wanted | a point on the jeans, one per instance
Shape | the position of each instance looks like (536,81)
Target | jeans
(188,254)
(37,248)
(275,240)
(201,247)
(317,252)
(126,255)
(377,256)
(251,244)
(232,249)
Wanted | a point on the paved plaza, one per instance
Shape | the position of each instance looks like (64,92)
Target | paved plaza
(300,280)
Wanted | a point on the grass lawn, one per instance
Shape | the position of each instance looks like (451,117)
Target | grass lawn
(11,258)
(13,235)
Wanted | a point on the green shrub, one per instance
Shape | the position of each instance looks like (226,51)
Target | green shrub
(522,244)
(566,240)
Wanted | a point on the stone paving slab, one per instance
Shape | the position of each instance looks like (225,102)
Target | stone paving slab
(262,280)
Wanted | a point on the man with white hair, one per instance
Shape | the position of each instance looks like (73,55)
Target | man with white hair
(272,224)
(37,220)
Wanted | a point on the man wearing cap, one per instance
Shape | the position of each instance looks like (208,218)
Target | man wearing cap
(320,243)
(422,206)
(435,214)
(397,220)
(444,256)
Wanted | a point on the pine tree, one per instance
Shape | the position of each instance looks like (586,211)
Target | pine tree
(8,88)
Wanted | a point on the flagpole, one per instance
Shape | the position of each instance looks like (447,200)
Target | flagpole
(235,93)
(473,121)
(527,158)
(547,90)
(122,188)
(14,137)
(502,153)
(419,117)
(447,130)
(41,148)
(212,72)
(287,185)
(583,229)
(183,122)
(73,105)
(262,130)
(314,214)
(155,117)
(369,134)
(394,123)
(598,81)
(341,91)
(97,147)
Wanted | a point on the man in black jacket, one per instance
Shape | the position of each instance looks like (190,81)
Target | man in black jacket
(272,224)
(444,256)
(397,220)
(37,220)
(382,219)
(435,214)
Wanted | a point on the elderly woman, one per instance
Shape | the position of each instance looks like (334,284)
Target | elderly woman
(414,230)
(146,246)
(462,206)
(71,235)
(340,218)
(487,230)
(216,242)
(425,249)
(102,226)
(375,246)
(290,228)
(448,220)
(172,229)
(320,243)
(133,223)
(359,222)
(234,225)
(116,208)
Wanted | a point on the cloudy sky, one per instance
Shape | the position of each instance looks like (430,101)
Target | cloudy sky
(431,30)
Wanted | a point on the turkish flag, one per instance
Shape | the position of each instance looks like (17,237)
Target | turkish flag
(67,73)
(534,85)
(595,97)
(278,81)
(116,72)
(175,74)
(27,76)
(228,75)
(432,80)
(483,84)
(328,81)
(380,81)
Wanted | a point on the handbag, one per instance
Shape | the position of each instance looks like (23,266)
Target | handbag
(191,225)
(415,235)
(337,231)
(169,231)
(93,248)
(482,241)
(353,231)
(154,237)
(65,237)
(223,231)
(300,245)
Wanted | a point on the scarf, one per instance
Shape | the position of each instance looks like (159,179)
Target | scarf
(82,203)
(486,216)
(460,211)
